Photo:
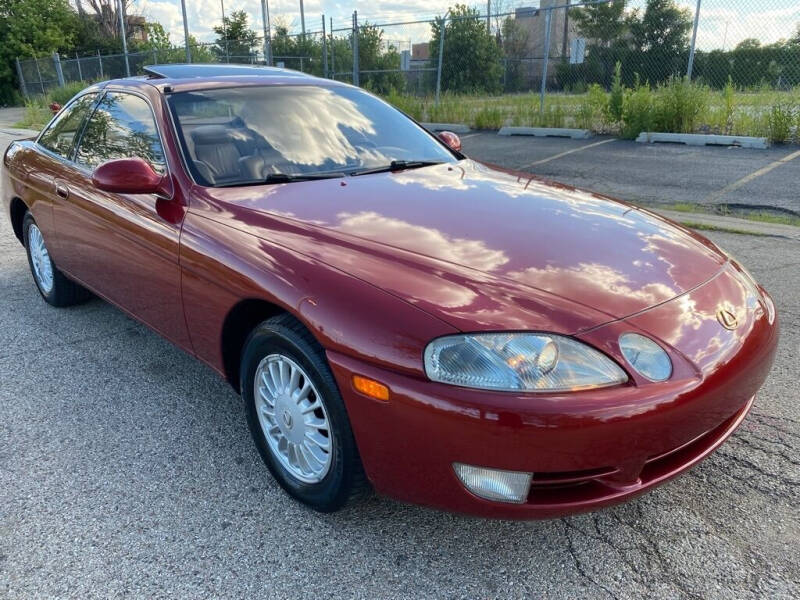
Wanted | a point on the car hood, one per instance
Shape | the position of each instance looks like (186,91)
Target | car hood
(486,249)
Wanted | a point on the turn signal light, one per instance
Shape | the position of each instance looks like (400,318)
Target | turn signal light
(370,387)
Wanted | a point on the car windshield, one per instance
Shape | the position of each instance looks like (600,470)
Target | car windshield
(266,134)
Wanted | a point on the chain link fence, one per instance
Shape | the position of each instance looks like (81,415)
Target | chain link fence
(511,64)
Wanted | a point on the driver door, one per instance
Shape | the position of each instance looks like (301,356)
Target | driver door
(124,247)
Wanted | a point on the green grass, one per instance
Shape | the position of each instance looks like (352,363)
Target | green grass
(675,106)
(706,227)
(37,108)
(760,216)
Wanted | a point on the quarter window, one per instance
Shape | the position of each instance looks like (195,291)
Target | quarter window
(60,136)
(122,126)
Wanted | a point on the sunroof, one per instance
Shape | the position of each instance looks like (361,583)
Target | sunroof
(191,71)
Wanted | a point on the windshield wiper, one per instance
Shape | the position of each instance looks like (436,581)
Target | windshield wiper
(287,178)
(282,178)
(399,165)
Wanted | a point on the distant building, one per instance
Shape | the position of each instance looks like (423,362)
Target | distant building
(534,20)
(420,51)
(137,28)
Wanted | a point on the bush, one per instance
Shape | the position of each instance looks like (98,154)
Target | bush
(489,117)
(617,98)
(593,109)
(779,123)
(679,105)
(637,111)
(62,95)
(412,106)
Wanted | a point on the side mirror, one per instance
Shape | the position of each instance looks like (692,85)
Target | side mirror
(451,139)
(130,176)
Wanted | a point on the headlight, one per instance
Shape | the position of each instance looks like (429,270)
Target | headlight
(645,356)
(531,362)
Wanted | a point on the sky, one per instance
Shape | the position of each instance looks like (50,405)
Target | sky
(723,23)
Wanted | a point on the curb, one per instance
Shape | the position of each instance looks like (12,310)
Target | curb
(575,134)
(454,127)
(18,132)
(730,223)
(700,139)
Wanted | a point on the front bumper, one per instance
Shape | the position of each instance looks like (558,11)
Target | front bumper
(587,449)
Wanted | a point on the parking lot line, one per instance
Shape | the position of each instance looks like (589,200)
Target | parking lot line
(560,154)
(715,196)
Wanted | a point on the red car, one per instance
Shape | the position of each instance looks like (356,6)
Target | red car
(395,315)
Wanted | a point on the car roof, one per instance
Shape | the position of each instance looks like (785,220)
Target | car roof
(190,77)
(195,71)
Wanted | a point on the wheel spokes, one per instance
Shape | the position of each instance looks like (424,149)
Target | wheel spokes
(293,418)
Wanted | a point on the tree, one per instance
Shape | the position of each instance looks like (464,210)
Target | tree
(601,24)
(663,27)
(372,57)
(235,40)
(661,38)
(105,14)
(471,59)
(31,28)
(748,44)
(514,42)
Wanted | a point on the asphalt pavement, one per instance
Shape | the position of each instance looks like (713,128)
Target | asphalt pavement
(653,174)
(127,470)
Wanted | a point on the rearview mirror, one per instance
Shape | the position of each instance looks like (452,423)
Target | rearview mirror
(130,176)
(451,139)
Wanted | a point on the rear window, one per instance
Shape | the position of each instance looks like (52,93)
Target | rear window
(242,135)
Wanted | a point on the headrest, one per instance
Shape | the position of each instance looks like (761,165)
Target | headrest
(212,134)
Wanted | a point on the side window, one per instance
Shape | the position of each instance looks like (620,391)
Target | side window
(122,126)
(60,136)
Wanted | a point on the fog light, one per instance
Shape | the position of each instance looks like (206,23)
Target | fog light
(494,484)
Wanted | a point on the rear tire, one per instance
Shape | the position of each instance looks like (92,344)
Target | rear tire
(294,411)
(52,284)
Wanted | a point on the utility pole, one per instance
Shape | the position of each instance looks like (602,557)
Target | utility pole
(186,33)
(225,32)
(694,40)
(302,19)
(489,16)
(441,53)
(267,32)
(565,41)
(324,50)
(124,37)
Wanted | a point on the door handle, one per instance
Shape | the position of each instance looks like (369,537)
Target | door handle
(62,190)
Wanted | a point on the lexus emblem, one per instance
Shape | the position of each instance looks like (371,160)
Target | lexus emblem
(727,319)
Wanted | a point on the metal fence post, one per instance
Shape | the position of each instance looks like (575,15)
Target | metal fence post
(59,72)
(39,72)
(78,62)
(123,34)
(267,32)
(443,28)
(547,21)
(333,52)
(694,39)
(155,57)
(324,50)
(23,88)
(100,61)
(355,47)
(186,33)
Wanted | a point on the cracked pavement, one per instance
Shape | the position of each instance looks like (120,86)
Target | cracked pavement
(127,470)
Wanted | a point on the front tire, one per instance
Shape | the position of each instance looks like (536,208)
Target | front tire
(297,416)
(52,284)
